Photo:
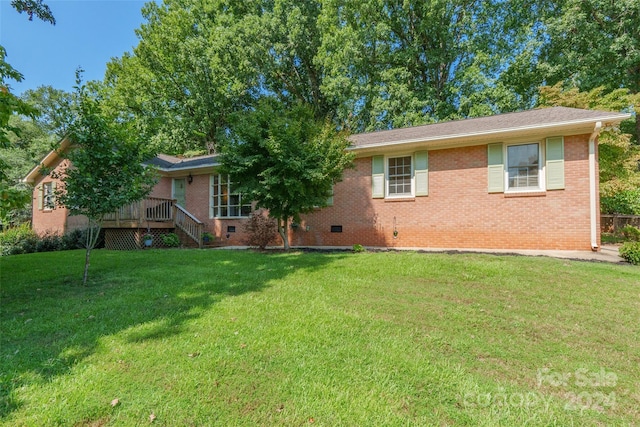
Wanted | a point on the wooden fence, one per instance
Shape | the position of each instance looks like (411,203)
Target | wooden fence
(613,223)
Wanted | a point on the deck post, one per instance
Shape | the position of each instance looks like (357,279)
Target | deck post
(142,214)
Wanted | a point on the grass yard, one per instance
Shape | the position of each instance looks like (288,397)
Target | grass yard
(197,337)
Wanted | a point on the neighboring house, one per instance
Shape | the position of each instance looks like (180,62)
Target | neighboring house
(525,180)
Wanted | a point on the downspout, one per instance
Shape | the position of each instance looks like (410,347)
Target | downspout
(593,205)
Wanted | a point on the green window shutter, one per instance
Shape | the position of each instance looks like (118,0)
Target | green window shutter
(496,168)
(377,177)
(40,197)
(555,163)
(422,173)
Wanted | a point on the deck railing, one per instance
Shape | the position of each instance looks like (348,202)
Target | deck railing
(188,223)
(150,209)
(157,209)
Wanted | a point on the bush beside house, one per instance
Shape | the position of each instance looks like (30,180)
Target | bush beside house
(23,240)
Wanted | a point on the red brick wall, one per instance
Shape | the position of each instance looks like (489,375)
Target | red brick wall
(459,212)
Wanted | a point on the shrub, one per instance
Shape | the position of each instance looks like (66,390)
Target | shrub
(49,242)
(208,237)
(23,240)
(18,240)
(358,248)
(626,202)
(171,240)
(630,252)
(631,233)
(73,240)
(261,229)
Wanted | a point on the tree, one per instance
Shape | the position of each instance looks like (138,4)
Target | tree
(55,108)
(588,44)
(19,157)
(285,160)
(189,72)
(400,63)
(106,169)
(10,104)
(34,7)
(372,64)
(618,156)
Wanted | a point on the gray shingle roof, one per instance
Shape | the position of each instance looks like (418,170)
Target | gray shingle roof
(168,163)
(485,125)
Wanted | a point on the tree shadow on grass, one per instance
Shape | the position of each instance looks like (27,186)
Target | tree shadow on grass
(49,323)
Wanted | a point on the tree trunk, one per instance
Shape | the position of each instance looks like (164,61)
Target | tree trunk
(282,229)
(86,266)
(638,123)
(92,235)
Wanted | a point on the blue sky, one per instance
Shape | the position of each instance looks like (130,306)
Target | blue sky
(87,34)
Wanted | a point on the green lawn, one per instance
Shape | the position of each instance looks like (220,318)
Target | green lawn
(210,337)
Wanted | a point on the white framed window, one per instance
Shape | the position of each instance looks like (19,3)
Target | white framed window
(48,196)
(400,176)
(225,202)
(523,171)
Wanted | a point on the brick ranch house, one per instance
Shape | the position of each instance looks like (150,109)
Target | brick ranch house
(526,180)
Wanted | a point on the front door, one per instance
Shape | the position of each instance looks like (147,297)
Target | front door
(180,191)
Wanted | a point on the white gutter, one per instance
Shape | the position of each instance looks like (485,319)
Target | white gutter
(593,185)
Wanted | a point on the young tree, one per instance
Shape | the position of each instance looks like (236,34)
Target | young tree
(285,160)
(106,169)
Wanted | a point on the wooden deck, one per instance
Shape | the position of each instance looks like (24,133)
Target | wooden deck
(156,213)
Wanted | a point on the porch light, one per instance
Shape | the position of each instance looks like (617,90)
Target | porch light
(190,179)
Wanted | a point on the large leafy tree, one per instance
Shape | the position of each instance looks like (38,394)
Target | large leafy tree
(285,160)
(189,72)
(106,172)
(55,108)
(401,63)
(587,44)
(365,65)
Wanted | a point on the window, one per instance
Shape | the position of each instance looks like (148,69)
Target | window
(225,202)
(48,196)
(523,166)
(399,176)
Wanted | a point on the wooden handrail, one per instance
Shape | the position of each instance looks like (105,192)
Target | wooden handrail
(150,209)
(188,223)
